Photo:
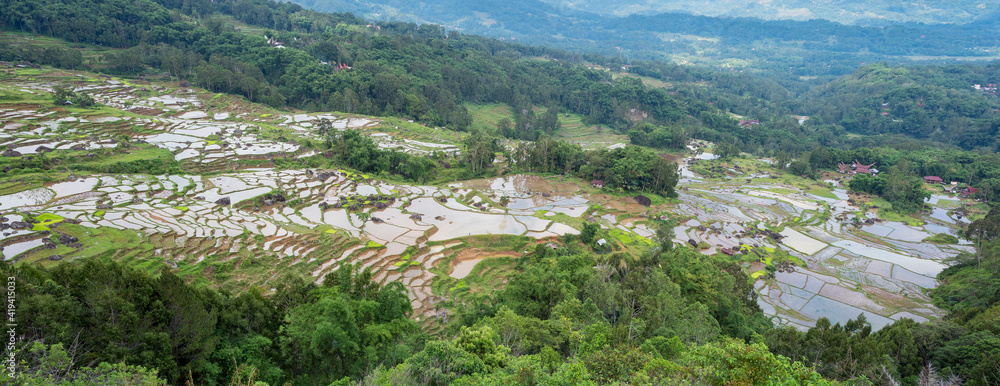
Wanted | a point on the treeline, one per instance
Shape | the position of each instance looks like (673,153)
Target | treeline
(94,312)
(629,169)
(359,152)
(625,169)
(650,135)
(396,69)
(905,193)
(529,126)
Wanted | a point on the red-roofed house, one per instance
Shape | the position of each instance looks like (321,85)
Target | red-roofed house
(933,180)
(968,191)
(862,168)
(275,43)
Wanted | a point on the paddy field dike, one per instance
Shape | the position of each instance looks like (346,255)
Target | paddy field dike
(227,194)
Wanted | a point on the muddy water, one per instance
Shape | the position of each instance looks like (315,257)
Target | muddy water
(12,250)
(461,223)
(801,242)
(924,267)
(26,198)
(821,306)
(521,184)
(69,188)
(464,268)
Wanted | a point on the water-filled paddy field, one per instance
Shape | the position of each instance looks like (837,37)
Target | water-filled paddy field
(228,218)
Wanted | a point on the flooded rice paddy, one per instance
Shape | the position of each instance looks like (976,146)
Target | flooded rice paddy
(320,218)
(881,269)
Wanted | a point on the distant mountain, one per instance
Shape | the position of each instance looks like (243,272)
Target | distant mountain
(801,48)
(843,11)
(491,17)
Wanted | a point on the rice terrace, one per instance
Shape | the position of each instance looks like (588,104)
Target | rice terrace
(243,205)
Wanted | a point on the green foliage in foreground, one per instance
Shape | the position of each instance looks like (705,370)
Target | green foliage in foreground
(94,312)
(565,316)
(568,315)
(52,365)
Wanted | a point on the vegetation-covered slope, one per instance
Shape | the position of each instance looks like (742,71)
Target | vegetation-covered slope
(600,307)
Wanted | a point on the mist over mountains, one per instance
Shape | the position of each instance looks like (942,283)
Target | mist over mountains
(802,38)
(843,11)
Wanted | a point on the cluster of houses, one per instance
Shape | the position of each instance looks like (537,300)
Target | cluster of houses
(965,191)
(339,66)
(856,168)
(271,41)
(990,88)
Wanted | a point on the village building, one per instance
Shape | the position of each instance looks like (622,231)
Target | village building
(856,167)
(271,41)
(862,168)
(933,180)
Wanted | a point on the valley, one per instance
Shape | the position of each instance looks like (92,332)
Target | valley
(247,192)
(244,207)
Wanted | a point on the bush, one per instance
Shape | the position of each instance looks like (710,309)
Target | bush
(942,238)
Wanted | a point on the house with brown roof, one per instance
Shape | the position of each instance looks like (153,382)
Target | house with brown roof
(968,191)
(933,180)
(862,168)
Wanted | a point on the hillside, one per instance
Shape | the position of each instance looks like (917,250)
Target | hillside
(941,104)
(179,185)
(807,47)
(246,192)
(844,11)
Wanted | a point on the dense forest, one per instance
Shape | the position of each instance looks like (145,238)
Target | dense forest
(399,69)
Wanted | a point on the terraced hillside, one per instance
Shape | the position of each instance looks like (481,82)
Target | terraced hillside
(218,207)
(227,193)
